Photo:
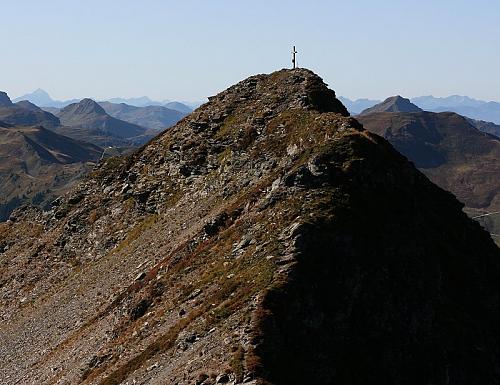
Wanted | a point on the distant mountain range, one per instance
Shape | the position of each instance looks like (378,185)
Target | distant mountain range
(155,117)
(42,155)
(42,99)
(463,105)
(87,120)
(356,106)
(116,125)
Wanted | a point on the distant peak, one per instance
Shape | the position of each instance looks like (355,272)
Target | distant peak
(393,104)
(39,91)
(85,106)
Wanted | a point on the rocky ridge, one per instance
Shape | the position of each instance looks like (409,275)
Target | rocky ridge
(266,238)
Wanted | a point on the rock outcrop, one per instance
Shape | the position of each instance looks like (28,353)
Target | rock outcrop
(266,238)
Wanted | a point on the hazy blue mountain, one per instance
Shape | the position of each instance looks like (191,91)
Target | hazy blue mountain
(155,117)
(463,105)
(393,104)
(356,106)
(144,101)
(38,97)
(193,105)
(430,102)
(42,99)
(141,101)
(178,106)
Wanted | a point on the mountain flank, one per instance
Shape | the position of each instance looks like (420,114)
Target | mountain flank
(267,238)
(451,151)
(38,165)
(489,127)
(24,113)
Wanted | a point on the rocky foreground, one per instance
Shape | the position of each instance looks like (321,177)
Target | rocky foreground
(267,238)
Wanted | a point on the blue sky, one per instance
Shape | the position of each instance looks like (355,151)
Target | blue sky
(190,49)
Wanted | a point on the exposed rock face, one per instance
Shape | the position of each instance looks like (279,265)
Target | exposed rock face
(393,104)
(266,238)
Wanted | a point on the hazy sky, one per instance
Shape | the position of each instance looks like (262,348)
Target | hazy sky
(189,49)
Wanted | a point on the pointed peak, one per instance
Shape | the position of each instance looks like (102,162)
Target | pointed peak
(83,107)
(39,91)
(393,104)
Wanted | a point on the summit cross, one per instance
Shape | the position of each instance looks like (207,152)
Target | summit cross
(294,57)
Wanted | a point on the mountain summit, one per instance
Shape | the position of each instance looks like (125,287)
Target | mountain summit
(267,238)
(83,107)
(393,104)
(42,99)
(88,119)
(38,97)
